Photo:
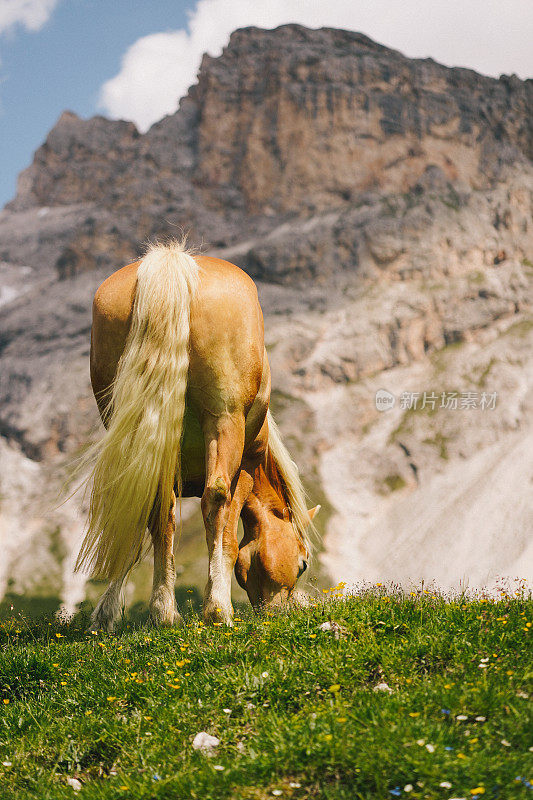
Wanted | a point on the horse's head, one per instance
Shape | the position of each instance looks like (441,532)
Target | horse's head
(272,555)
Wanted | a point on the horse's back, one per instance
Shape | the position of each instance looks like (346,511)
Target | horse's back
(226,334)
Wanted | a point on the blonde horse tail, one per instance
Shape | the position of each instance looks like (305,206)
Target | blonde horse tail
(138,459)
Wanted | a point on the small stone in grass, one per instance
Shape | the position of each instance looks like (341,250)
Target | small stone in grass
(408,787)
(295,785)
(461,717)
(445,785)
(74,783)
(204,741)
(481,719)
(383,687)
(226,710)
(277,792)
(332,627)
(219,767)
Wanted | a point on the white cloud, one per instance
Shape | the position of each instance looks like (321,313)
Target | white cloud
(31,14)
(490,36)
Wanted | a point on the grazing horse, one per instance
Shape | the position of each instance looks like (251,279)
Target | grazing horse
(182,381)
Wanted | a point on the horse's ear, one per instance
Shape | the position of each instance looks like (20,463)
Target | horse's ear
(313,512)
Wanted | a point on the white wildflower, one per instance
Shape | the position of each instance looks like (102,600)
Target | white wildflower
(481,719)
(445,785)
(430,748)
(408,787)
(218,767)
(74,783)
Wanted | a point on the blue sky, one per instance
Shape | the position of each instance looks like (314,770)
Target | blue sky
(134,58)
(63,65)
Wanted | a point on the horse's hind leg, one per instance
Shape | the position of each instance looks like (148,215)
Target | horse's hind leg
(108,607)
(163,609)
(224,440)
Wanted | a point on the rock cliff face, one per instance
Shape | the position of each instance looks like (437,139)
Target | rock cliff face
(385,207)
(284,125)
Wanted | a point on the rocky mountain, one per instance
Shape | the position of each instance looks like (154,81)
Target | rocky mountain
(384,206)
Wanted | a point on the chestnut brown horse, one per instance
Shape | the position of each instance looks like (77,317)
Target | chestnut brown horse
(182,382)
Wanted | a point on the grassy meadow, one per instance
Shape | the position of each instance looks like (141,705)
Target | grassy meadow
(296,707)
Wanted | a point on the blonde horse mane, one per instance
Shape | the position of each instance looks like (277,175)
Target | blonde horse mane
(138,459)
(294,490)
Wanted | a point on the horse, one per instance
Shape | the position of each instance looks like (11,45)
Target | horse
(182,382)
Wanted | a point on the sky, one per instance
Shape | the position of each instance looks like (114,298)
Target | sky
(134,59)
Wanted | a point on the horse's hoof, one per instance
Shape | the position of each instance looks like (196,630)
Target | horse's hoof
(96,626)
(165,618)
(217,615)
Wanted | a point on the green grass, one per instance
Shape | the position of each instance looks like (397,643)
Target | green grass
(294,708)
